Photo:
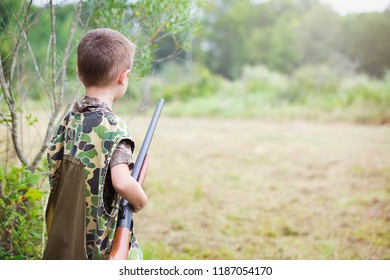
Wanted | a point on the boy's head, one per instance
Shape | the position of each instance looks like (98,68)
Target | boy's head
(102,55)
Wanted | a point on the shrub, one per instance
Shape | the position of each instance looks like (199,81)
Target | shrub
(361,89)
(314,81)
(259,79)
(312,92)
(21,215)
(175,82)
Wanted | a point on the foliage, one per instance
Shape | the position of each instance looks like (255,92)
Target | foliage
(259,79)
(366,40)
(21,215)
(178,83)
(285,35)
(222,44)
(148,23)
(314,92)
(38,58)
(311,81)
(317,34)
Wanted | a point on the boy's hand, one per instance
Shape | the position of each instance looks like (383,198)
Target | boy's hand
(144,170)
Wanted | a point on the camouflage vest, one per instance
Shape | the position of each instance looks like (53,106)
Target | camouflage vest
(79,226)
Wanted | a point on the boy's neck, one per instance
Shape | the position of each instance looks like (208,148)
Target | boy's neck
(103,94)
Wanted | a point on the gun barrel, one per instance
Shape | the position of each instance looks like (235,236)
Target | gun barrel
(147,140)
(125,209)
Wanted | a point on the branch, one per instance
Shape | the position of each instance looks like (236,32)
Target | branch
(172,55)
(45,145)
(67,49)
(5,121)
(14,118)
(51,97)
(156,39)
(88,20)
(18,41)
(58,101)
(53,55)
(49,133)
(36,67)
(37,17)
(4,84)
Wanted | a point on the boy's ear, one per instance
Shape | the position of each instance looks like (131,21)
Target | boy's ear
(122,79)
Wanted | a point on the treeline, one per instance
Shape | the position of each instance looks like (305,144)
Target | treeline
(285,35)
(282,35)
(282,59)
(284,52)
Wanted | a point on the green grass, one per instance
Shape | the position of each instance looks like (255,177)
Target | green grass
(254,105)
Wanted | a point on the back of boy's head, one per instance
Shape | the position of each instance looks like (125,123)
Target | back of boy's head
(101,55)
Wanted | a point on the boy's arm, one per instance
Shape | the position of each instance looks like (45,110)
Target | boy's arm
(127,187)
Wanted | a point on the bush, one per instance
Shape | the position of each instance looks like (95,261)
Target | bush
(362,90)
(312,82)
(311,92)
(175,82)
(21,215)
(259,79)
(367,99)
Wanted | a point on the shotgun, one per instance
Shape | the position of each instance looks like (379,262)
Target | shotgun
(121,241)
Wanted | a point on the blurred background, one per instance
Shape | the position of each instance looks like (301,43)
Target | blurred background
(283,59)
(274,141)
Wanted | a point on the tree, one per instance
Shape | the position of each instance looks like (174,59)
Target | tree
(284,35)
(237,33)
(222,45)
(367,41)
(27,66)
(276,47)
(318,34)
(13,73)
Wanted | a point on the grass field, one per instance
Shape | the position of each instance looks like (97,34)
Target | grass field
(253,189)
(262,189)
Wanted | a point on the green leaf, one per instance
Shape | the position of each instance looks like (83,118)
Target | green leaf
(34,194)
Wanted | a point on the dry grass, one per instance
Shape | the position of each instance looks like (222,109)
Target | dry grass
(250,189)
(253,189)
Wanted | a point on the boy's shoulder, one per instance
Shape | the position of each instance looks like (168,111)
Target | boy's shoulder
(96,112)
(104,124)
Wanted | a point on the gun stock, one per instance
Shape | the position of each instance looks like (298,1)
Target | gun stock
(120,250)
(121,241)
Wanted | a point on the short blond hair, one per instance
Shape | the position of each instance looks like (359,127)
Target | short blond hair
(102,54)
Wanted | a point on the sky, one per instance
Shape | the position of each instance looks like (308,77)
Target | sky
(357,6)
(341,6)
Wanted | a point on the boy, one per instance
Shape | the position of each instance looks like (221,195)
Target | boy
(91,154)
